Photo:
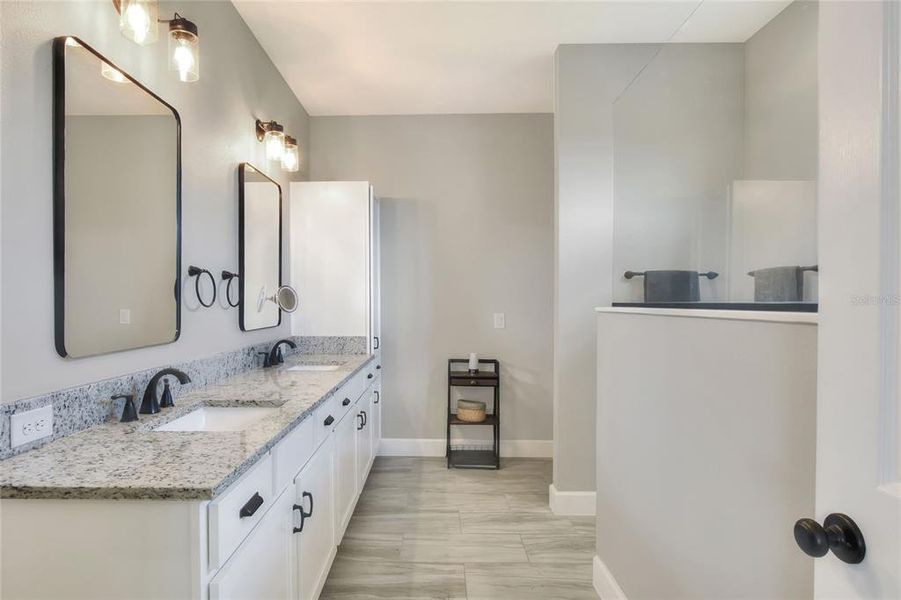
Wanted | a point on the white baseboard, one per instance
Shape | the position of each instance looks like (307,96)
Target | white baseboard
(604,583)
(436,447)
(573,504)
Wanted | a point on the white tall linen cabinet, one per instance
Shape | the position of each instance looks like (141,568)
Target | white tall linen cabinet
(335,260)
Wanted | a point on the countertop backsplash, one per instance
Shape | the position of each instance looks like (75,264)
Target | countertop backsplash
(84,406)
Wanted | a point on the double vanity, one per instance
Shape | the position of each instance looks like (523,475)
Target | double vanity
(240,488)
(243,489)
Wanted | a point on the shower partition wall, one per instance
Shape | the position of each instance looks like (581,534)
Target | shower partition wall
(715,158)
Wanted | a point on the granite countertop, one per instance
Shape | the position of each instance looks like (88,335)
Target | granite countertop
(132,461)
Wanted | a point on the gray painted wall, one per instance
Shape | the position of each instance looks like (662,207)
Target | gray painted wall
(467,231)
(238,83)
(781,128)
(725,412)
(588,78)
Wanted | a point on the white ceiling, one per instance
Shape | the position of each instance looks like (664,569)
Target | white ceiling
(383,58)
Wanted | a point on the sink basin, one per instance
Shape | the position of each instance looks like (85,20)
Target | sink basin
(218,418)
(314,368)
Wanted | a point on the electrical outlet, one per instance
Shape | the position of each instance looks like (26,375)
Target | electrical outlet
(499,321)
(31,425)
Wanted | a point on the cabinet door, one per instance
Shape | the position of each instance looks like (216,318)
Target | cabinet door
(364,437)
(263,565)
(376,416)
(316,538)
(330,256)
(345,469)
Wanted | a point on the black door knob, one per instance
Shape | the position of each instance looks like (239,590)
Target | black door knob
(838,533)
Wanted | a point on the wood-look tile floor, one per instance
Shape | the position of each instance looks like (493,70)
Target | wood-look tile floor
(421,531)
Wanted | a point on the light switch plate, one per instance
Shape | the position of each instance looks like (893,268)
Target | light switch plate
(31,425)
(499,321)
(124,316)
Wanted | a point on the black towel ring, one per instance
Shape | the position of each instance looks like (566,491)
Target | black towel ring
(198,272)
(230,277)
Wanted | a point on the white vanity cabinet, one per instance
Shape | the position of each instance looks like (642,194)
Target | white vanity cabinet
(346,488)
(335,260)
(376,391)
(264,564)
(364,437)
(315,521)
(247,543)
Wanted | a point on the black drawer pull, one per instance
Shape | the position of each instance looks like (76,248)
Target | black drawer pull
(345,402)
(360,426)
(303,517)
(310,496)
(378,396)
(255,502)
(328,420)
(370,376)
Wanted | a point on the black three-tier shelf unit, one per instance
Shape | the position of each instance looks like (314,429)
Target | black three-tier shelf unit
(458,375)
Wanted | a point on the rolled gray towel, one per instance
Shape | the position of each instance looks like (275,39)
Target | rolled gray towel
(671,286)
(778,284)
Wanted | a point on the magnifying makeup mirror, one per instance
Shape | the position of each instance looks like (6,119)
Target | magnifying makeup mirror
(285,297)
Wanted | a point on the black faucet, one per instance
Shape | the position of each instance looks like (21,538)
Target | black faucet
(274,356)
(151,403)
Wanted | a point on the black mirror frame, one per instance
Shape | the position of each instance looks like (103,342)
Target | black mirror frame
(59,192)
(242,167)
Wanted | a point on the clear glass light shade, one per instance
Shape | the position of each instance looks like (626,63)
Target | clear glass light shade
(138,20)
(184,55)
(112,73)
(291,157)
(275,144)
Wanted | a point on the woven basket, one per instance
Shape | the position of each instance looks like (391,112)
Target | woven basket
(470,411)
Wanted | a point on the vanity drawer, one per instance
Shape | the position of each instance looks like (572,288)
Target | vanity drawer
(293,452)
(235,513)
(354,388)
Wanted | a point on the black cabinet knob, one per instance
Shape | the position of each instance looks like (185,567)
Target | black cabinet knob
(838,533)
(328,420)
(369,376)
(345,402)
(378,367)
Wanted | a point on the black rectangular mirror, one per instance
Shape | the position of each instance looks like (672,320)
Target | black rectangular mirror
(259,248)
(116,207)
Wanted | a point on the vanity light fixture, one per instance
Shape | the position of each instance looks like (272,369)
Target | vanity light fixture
(184,48)
(291,157)
(138,20)
(272,134)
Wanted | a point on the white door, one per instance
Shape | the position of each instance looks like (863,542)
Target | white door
(314,518)
(857,397)
(263,565)
(364,437)
(345,469)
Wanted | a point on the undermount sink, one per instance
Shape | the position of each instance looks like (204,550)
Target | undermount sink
(218,418)
(314,368)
